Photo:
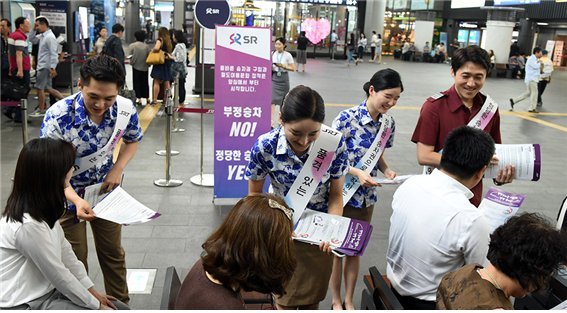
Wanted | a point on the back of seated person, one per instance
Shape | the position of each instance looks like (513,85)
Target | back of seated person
(252,251)
(524,254)
(434,229)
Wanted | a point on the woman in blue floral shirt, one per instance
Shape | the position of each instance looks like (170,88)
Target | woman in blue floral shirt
(281,154)
(359,126)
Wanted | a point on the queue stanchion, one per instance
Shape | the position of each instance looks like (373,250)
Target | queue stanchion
(24,109)
(72,77)
(176,108)
(205,180)
(166,99)
(168,182)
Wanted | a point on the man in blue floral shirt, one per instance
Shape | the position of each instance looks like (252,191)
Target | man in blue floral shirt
(93,120)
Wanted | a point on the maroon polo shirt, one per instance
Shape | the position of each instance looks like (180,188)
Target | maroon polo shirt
(442,113)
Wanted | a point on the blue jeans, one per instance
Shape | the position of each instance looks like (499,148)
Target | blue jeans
(349,55)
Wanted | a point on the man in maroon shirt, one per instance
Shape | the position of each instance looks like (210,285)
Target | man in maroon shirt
(455,107)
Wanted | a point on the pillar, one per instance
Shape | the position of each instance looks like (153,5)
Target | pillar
(178,14)
(132,21)
(374,17)
(499,26)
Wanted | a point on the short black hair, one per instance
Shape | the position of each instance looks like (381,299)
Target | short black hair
(116,28)
(140,35)
(42,20)
(8,23)
(281,39)
(39,181)
(302,103)
(544,52)
(474,54)
(384,79)
(103,68)
(536,50)
(529,249)
(466,151)
(180,37)
(19,21)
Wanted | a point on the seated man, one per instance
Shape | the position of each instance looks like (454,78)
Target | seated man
(434,229)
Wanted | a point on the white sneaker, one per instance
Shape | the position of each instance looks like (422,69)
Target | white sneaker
(37,113)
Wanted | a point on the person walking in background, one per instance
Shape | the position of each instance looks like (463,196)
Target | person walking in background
(101,40)
(405,50)
(333,40)
(378,53)
(282,63)
(140,51)
(492,59)
(350,49)
(361,127)
(522,65)
(47,59)
(19,58)
(373,41)
(545,77)
(5,32)
(161,73)
(113,45)
(178,67)
(362,41)
(531,79)
(302,43)
(455,45)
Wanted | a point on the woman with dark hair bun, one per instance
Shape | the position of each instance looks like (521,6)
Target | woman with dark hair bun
(282,155)
(368,131)
(38,268)
(524,254)
(252,251)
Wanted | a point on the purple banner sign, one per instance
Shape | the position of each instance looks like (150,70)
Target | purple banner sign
(243,92)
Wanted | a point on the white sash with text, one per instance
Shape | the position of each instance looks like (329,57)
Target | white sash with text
(480,120)
(318,163)
(122,118)
(370,158)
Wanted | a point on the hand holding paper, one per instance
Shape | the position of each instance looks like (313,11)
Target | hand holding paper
(396,181)
(525,158)
(120,207)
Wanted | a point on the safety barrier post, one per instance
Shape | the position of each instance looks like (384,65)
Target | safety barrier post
(168,182)
(166,100)
(24,109)
(176,107)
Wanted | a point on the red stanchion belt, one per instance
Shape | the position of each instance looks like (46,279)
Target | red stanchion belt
(9,104)
(196,110)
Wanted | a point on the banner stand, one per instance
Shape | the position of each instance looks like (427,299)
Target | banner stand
(205,180)
(168,182)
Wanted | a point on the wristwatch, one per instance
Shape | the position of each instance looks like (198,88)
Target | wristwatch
(497,183)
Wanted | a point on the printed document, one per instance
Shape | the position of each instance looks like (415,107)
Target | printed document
(120,207)
(526,158)
(498,206)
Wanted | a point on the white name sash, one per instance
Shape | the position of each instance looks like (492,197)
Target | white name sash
(480,120)
(370,158)
(122,118)
(318,163)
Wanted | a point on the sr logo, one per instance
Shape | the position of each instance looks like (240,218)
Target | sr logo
(239,39)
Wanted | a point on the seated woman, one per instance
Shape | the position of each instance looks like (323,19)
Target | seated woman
(38,269)
(524,254)
(252,250)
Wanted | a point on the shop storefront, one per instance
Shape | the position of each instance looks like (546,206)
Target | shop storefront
(287,18)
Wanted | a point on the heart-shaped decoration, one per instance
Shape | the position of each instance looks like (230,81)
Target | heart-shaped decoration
(316,30)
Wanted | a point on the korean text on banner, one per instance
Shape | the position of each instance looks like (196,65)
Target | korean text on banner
(243,92)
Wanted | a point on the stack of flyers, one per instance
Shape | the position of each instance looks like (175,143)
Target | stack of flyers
(345,235)
(498,206)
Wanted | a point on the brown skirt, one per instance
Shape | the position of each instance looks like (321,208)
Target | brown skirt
(363,214)
(310,281)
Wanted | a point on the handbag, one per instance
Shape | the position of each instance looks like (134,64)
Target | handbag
(14,89)
(128,93)
(156,58)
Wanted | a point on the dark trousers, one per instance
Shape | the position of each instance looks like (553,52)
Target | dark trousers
(140,82)
(181,89)
(411,303)
(540,89)
(372,52)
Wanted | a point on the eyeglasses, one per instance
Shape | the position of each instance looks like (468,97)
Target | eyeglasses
(276,205)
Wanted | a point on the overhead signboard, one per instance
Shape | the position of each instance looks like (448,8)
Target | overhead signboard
(458,4)
(209,13)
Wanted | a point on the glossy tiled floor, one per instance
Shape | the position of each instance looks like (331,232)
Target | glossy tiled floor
(189,215)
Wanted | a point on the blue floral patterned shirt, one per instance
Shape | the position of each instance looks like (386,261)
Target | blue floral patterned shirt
(359,130)
(271,155)
(67,119)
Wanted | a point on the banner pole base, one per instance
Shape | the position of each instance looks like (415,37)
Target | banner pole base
(168,183)
(163,152)
(205,180)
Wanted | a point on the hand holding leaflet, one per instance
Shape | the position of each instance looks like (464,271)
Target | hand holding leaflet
(526,158)
(396,181)
(498,206)
(120,207)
